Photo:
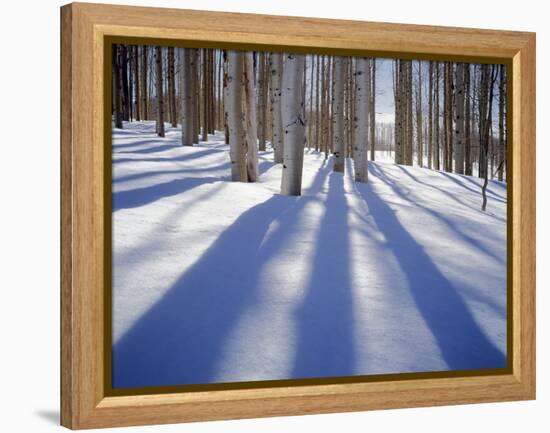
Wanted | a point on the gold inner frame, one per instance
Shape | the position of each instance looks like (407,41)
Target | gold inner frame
(109,41)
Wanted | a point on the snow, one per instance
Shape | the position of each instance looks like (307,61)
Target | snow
(219,281)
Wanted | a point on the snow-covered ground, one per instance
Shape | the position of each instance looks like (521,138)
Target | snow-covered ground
(219,281)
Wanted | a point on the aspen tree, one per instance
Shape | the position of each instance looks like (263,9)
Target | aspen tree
(237,141)
(419,141)
(430,113)
(144,73)
(467,123)
(501,117)
(186,91)
(372,110)
(459,119)
(172,87)
(437,152)
(262,94)
(117,90)
(159,89)
(362,105)
(338,116)
(292,100)
(251,118)
(276,67)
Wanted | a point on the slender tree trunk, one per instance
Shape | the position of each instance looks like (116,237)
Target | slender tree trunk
(276,67)
(186,91)
(262,86)
(137,83)
(338,118)
(430,114)
(317,102)
(419,138)
(225,96)
(117,90)
(310,114)
(501,130)
(144,74)
(372,110)
(324,116)
(437,150)
(251,118)
(160,96)
(467,122)
(172,86)
(485,116)
(459,119)
(294,125)
(237,141)
(362,106)
(125,85)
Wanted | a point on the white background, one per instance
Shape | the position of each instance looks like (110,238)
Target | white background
(29,219)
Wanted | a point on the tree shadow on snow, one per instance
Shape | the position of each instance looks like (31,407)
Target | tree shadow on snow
(448,222)
(462,343)
(324,320)
(180,339)
(179,158)
(141,196)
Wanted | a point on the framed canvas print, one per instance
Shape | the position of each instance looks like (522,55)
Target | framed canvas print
(268,215)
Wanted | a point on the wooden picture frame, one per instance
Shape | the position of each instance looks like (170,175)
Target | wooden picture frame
(86,31)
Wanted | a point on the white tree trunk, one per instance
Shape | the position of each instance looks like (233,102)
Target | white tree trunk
(251,119)
(186,91)
(276,65)
(293,123)
(237,141)
(362,102)
(338,120)
(459,119)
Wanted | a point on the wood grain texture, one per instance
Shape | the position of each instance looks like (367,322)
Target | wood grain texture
(84,28)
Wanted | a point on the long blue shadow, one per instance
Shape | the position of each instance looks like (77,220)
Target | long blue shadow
(373,168)
(180,339)
(490,193)
(148,150)
(462,343)
(263,167)
(184,157)
(455,197)
(324,320)
(141,196)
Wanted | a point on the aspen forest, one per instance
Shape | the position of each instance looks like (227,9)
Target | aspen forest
(290,216)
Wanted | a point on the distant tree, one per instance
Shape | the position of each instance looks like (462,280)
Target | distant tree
(251,118)
(372,110)
(430,113)
(125,84)
(486,85)
(117,86)
(159,90)
(459,119)
(144,74)
(262,100)
(437,138)
(186,91)
(237,140)
(276,68)
(362,108)
(292,100)
(467,123)
(172,87)
(501,118)
(338,119)
(135,63)
(418,100)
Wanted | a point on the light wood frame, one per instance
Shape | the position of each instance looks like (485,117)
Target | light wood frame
(84,29)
